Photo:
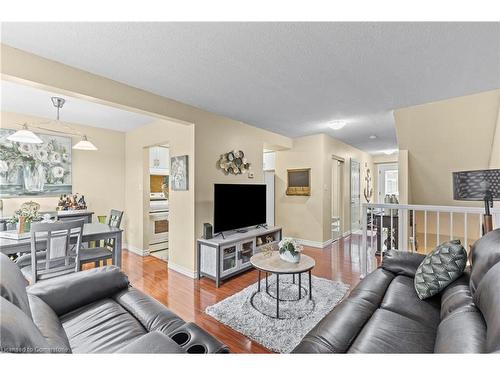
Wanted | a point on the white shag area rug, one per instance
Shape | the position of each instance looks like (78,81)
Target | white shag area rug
(253,314)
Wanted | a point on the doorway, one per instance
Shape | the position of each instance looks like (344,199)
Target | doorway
(337,207)
(355,196)
(387,181)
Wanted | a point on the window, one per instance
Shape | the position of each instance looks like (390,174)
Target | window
(387,181)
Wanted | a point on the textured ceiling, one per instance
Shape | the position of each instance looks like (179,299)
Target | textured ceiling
(35,102)
(291,78)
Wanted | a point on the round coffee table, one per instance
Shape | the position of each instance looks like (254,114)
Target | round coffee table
(272,263)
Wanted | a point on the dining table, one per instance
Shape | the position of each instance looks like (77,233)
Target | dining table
(91,232)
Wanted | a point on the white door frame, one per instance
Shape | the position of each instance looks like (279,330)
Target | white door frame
(381,169)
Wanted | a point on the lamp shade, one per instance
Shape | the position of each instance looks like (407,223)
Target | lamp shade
(476,185)
(24,136)
(85,145)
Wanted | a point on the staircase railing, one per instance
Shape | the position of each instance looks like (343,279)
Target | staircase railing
(416,228)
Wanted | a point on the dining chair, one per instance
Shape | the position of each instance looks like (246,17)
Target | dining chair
(60,257)
(101,253)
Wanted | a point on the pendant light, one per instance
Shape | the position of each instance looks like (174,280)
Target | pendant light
(85,145)
(24,136)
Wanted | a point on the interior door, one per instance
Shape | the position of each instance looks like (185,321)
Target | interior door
(387,181)
(355,196)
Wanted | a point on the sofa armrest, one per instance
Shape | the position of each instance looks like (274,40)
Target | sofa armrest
(66,293)
(402,262)
(152,343)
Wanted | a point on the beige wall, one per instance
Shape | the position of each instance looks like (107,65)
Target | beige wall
(309,218)
(446,136)
(180,138)
(495,148)
(301,216)
(214,134)
(99,175)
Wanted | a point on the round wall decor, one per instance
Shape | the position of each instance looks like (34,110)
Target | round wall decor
(233,162)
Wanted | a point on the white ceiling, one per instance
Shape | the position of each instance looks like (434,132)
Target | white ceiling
(291,78)
(36,102)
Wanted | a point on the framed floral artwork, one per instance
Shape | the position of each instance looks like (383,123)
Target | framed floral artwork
(179,177)
(35,169)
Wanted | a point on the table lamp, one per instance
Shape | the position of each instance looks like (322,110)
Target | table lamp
(479,185)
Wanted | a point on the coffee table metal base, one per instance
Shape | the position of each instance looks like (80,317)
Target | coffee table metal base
(277,297)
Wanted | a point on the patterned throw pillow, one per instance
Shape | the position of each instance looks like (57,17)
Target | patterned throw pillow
(440,268)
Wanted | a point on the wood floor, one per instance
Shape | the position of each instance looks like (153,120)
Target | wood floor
(188,298)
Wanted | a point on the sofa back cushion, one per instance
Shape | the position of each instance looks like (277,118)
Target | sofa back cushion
(485,254)
(13,284)
(487,299)
(18,333)
(462,328)
(69,292)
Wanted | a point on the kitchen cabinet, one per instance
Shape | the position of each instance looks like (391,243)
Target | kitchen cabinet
(159,160)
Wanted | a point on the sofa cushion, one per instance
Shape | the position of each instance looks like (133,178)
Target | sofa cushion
(337,330)
(390,332)
(49,325)
(402,299)
(440,268)
(462,331)
(13,284)
(67,293)
(457,296)
(485,254)
(149,312)
(18,334)
(101,327)
(152,342)
(402,262)
(487,299)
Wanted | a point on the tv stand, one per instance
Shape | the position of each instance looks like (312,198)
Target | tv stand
(220,258)
(241,230)
(220,234)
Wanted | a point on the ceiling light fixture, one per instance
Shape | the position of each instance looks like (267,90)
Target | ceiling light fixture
(337,125)
(373,136)
(389,152)
(24,136)
(85,145)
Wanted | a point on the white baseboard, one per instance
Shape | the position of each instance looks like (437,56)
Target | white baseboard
(182,270)
(318,244)
(136,250)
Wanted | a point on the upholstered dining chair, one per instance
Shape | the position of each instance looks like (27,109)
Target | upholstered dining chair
(60,256)
(101,253)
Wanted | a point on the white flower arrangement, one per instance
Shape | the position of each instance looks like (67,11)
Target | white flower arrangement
(290,245)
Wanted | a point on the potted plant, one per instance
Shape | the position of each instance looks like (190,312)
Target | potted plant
(25,216)
(290,250)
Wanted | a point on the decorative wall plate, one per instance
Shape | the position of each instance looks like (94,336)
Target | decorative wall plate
(233,162)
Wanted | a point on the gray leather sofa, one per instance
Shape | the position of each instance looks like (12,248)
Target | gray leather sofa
(93,311)
(383,314)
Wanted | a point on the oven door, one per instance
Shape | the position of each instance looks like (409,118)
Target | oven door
(158,227)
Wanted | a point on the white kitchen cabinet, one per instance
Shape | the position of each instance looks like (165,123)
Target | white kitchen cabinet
(159,160)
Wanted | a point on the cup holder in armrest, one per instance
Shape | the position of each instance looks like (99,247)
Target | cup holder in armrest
(195,340)
(197,349)
(181,338)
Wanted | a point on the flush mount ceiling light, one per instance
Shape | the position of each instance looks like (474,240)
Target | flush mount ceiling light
(389,152)
(336,125)
(373,136)
(24,136)
(85,145)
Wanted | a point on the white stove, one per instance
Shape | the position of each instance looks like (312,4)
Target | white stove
(158,222)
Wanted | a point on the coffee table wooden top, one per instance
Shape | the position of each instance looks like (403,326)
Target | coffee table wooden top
(271,262)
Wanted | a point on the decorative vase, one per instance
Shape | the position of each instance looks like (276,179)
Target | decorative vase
(289,257)
(23,225)
(34,178)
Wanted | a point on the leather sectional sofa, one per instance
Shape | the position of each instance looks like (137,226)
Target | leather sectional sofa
(93,311)
(383,314)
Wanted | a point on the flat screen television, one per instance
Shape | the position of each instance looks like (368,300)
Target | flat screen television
(238,206)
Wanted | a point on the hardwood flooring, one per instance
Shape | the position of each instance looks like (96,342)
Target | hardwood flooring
(188,298)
